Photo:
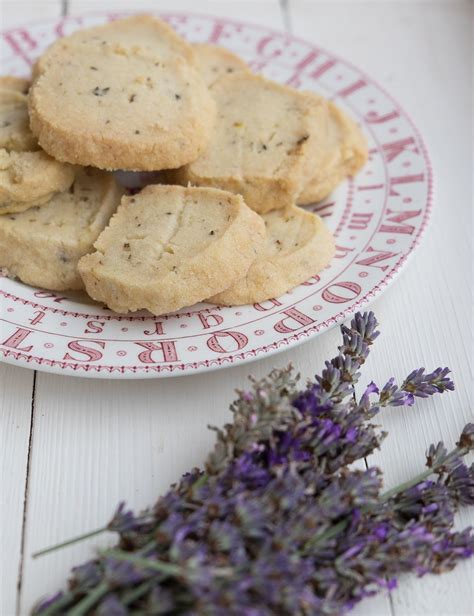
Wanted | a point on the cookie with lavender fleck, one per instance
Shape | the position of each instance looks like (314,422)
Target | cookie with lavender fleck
(214,62)
(42,245)
(29,179)
(298,245)
(266,141)
(121,105)
(169,247)
(15,133)
(346,154)
(142,34)
(16,84)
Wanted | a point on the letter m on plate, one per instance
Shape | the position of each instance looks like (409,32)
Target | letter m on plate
(395,222)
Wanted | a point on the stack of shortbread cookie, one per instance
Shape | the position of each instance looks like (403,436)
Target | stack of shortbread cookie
(238,154)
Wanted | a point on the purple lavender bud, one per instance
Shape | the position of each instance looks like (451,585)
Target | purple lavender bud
(436,455)
(160,601)
(122,520)
(365,324)
(381,531)
(48,602)
(86,576)
(460,483)
(392,395)
(111,606)
(372,388)
(466,440)
(122,573)
(280,522)
(423,385)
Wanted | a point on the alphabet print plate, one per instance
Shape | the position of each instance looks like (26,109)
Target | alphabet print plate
(377,217)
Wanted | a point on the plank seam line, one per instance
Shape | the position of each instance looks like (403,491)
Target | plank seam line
(285,10)
(25,499)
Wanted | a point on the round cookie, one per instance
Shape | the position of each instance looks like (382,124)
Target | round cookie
(9,96)
(41,246)
(30,178)
(345,155)
(298,246)
(214,62)
(17,84)
(168,246)
(143,34)
(121,110)
(265,143)
(15,133)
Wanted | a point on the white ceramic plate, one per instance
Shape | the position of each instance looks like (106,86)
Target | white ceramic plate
(377,217)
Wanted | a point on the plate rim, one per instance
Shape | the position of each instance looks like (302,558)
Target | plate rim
(293,340)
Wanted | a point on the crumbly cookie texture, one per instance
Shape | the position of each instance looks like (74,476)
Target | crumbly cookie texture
(346,154)
(17,84)
(298,246)
(214,62)
(41,246)
(266,140)
(28,179)
(121,105)
(15,133)
(143,34)
(168,246)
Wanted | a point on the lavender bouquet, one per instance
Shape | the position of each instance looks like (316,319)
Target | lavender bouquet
(280,521)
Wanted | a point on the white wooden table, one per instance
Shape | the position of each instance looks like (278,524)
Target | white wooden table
(72,448)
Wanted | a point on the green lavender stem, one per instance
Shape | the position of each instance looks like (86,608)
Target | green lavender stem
(58,605)
(157,565)
(137,592)
(89,600)
(53,548)
(340,526)
(421,477)
(162,566)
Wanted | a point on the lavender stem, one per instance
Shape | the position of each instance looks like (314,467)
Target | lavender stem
(64,544)
(421,477)
(160,565)
(89,600)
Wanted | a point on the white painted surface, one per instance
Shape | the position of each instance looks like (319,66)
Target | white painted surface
(94,443)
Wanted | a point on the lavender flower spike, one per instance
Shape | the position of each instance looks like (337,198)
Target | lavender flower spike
(466,440)
(392,395)
(423,385)
(280,521)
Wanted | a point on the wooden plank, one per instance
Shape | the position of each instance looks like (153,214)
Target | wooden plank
(425,316)
(16,386)
(16,400)
(14,13)
(265,12)
(97,442)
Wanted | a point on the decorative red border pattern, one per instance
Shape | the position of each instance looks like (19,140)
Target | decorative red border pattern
(255,41)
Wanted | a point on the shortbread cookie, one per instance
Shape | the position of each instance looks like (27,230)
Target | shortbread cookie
(17,84)
(265,142)
(9,96)
(142,34)
(15,133)
(167,246)
(214,62)
(43,245)
(116,109)
(346,154)
(30,178)
(298,246)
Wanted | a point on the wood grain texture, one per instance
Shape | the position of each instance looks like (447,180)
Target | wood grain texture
(425,315)
(96,442)
(16,400)
(15,418)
